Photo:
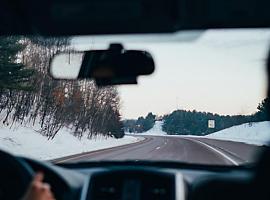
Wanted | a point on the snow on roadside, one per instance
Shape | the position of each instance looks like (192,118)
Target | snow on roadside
(27,142)
(257,133)
(156,130)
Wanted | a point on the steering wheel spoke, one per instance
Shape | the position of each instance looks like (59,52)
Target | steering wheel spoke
(15,176)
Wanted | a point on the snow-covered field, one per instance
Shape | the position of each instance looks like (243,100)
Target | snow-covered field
(27,142)
(255,133)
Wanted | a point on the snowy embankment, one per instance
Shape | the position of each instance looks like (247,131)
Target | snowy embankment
(257,133)
(156,130)
(27,142)
(251,133)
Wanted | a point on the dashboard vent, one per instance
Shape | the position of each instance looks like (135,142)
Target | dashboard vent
(131,185)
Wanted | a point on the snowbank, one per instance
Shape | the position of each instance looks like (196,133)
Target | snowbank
(251,133)
(27,142)
(156,130)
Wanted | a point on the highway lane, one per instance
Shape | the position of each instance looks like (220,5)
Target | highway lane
(169,148)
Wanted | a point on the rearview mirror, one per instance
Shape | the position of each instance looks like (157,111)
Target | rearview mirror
(107,67)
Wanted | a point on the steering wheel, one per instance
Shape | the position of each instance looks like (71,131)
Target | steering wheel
(15,176)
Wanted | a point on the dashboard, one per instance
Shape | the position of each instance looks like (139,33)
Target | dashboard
(134,184)
(145,180)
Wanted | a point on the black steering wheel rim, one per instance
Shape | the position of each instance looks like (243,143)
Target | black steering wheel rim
(16,175)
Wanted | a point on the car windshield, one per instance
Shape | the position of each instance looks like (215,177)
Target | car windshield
(204,104)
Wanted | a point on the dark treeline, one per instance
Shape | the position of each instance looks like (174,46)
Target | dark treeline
(29,96)
(185,122)
(196,123)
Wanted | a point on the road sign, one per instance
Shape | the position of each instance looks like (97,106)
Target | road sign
(211,123)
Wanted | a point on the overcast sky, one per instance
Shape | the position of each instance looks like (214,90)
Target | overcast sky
(216,71)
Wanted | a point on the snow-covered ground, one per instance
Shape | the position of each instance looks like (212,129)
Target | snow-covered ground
(255,133)
(27,142)
(156,130)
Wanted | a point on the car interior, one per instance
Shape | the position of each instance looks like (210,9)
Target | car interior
(131,180)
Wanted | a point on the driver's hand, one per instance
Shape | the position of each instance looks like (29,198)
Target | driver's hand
(38,190)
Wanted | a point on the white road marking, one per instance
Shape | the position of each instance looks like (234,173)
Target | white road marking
(157,148)
(217,151)
(166,141)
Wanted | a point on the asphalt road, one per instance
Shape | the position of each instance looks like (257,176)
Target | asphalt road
(183,149)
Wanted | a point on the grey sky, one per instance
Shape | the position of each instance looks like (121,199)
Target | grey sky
(220,71)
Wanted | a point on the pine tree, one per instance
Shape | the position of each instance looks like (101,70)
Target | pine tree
(13,74)
(264,109)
